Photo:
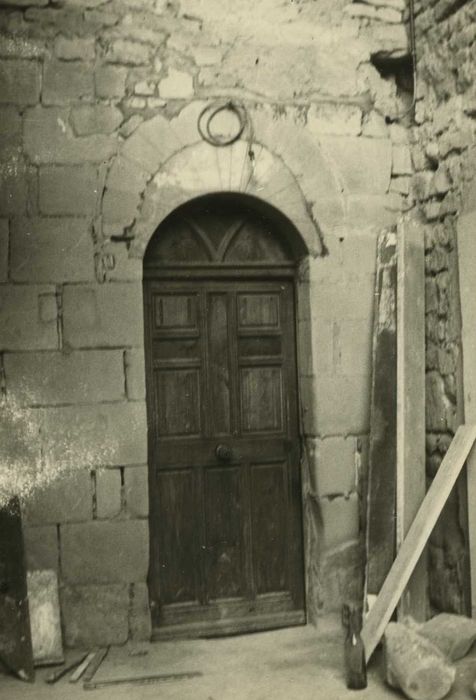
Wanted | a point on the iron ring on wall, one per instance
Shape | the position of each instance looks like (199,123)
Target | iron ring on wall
(210,112)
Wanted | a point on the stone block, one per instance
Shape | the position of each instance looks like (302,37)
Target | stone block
(176,86)
(110,81)
(363,164)
(342,404)
(140,626)
(94,435)
(340,519)
(335,466)
(145,88)
(19,82)
(108,493)
(206,55)
(51,250)
(72,49)
(68,189)
(136,488)
(105,315)
(21,46)
(401,160)
(49,378)
(4,236)
(344,300)
(48,139)
(440,411)
(13,188)
(10,134)
(334,119)
(353,347)
(66,82)
(105,551)
(128,52)
(68,498)
(41,547)
(95,615)
(135,374)
(95,119)
(22,324)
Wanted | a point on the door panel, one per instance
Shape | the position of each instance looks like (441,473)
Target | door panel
(226,542)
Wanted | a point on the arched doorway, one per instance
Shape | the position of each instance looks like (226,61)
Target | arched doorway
(224,448)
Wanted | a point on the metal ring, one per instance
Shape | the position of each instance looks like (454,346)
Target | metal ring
(210,112)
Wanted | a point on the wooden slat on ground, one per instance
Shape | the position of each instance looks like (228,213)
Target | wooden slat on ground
(381,492)
(417,537)
(410,471)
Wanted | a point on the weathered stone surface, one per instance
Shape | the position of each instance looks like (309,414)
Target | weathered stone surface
(108,493)
(350,414)
(48,139)
(109,434)
(49,378)
(335,466)
(177,85)
(4,237)
(95,615)
(128,53)
(21,46)
(41,547)
(66,82)
(67,499)
(91,318)
(340,518)
(19,82)
(13,187)
(340,577)
(97,119)
(68,189)
(24,325)
(105,551)
(140,627)
(363,164)
(110,81)
(342,120)
(51,250)
(440,411)
(135,374)
(136,490)
(10,133)
(401,160)
(75,49)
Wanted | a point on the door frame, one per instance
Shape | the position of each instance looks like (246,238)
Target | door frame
(300,272)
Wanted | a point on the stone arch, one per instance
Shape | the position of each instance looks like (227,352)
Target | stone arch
(164,163)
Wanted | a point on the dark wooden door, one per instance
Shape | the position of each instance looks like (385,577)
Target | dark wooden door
(15,637)
(226,529)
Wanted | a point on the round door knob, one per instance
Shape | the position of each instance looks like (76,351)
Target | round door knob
(224,452)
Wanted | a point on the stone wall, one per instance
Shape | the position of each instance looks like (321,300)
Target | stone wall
(443,138)
(99,102)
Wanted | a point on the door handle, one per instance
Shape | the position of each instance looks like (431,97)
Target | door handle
(224,453)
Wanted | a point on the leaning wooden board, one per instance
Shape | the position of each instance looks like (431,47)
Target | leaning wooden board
(381,490)
(410,470)
(417,537)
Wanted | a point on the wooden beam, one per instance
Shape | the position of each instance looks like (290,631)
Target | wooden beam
(380,522)
(410,471)
(417,537)
(466,259)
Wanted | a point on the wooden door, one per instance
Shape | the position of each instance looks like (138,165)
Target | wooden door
(15,636)
(226,529)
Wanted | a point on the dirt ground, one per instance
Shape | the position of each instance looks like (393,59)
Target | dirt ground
(302,663)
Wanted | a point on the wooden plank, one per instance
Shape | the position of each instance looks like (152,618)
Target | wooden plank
(56,675)
(381,489)
(417,536)
(93,667)
(45,617)
(82,667)
(410,472)
(143,680)
(466,257)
